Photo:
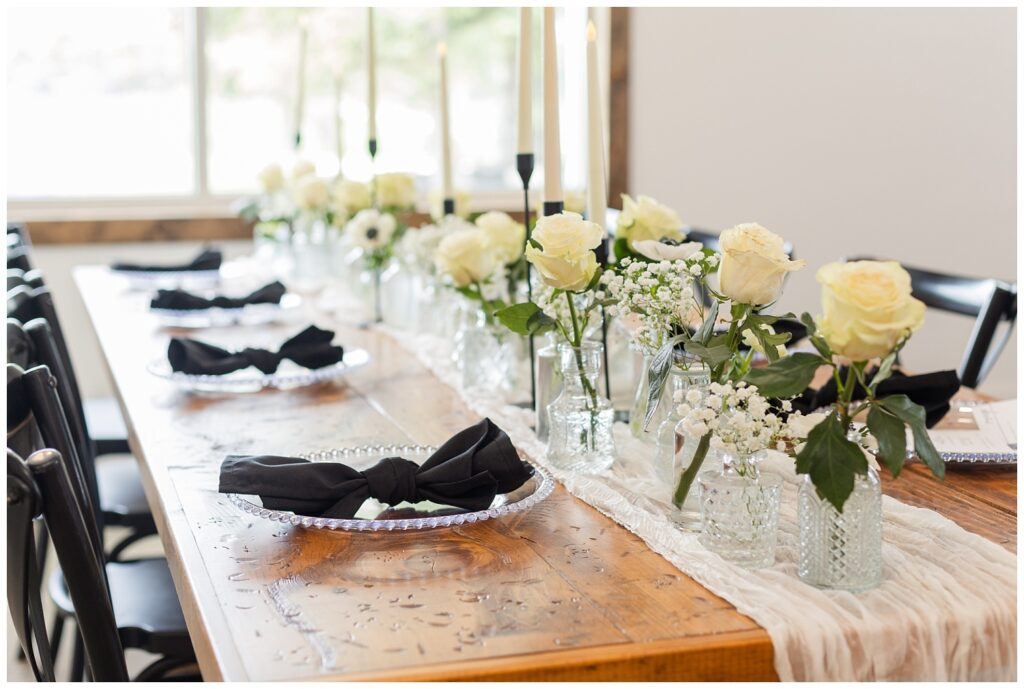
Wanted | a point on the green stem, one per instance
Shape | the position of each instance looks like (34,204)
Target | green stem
(690,473)
(577,345)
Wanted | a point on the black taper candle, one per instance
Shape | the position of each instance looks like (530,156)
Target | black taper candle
(524,164)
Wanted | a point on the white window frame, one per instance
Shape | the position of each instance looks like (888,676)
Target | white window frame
(203,204)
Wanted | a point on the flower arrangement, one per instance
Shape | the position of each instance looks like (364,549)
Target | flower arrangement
(868,315)
(644,220)
(375,233)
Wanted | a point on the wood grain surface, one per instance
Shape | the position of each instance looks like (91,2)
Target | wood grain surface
(557,593)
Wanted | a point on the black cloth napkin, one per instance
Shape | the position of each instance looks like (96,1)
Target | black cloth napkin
(180,300)
(933,391)
(311,348)
(467,472)
(208,259)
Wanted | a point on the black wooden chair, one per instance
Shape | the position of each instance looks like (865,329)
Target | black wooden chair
(17,277)
(989,301)
(146,612)
(115,483)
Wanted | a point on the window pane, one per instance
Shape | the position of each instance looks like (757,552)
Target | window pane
(99,103)
(252,67)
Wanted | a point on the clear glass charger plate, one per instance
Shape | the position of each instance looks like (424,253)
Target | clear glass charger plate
(288,375)
(377,516)
(157,279)
(250,314)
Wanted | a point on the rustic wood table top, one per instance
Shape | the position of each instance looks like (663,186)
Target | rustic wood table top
(559,592)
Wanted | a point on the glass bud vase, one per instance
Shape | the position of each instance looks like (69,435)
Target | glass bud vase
(667,442)
(488,356)
(740,511)
(549,382)
(638,412)
(841,550)
(580,437)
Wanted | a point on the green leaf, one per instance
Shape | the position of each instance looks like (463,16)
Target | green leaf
(914,416)
(712,356)
(808,321)
(535,244)
(620,247)
(517,317)
(831,461)
(708,326)
(884,369)
(540,323)
(657,375)
(786,377)
(891,435)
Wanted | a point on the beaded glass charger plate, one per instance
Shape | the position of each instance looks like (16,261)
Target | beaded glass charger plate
(250,314)
(977,433)
(377,516)
(288,375)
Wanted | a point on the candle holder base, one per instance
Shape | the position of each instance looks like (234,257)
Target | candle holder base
(373,148)
(449,207)
(553,208)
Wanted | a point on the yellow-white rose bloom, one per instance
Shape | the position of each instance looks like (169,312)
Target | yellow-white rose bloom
(505,235)
(311,194)
(867,308)
(395,190)
(461,199)
(303,168)
(466,257)
(350,197)
(271,178)
(567,260)
(754,264)
(645,219)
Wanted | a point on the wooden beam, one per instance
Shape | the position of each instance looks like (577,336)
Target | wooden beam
(618,104)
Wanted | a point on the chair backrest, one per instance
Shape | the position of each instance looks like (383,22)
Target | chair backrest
(989,301)
(18,257)
(33,394)
(44,485)
(25,304)
(17,277)
(34,345)
(21,231)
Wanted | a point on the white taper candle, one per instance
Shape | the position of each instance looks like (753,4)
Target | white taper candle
(552,145)
(371,75)
(597,192)
(524,134)
(446,151)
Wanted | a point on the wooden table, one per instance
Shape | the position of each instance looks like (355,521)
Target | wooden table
(557,593)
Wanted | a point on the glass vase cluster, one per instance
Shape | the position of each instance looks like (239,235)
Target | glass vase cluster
(740,510)
(580,419)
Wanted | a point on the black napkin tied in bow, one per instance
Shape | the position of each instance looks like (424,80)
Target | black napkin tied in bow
(311,348)
(468,471)
(208,259)
(180,300)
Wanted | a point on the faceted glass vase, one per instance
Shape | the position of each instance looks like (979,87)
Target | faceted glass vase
(740,511)
(580,437)
(667,441)
(842,550)
(489,356)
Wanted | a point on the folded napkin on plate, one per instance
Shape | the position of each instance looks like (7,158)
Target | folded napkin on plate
(208,259)
(180,300)
(933,391)
(311,348)
(472,467)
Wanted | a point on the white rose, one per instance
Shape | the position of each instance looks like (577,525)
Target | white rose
(666,251)
(395,190)
(754,264)
(271,178)
(645,218)
(350,197)
(303,168)
(567,260)
(311,194)
(465,257)
(505,235)
(868,308)
(370,229)
(462,203)
(750,339)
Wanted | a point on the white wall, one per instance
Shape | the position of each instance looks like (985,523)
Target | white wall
(882,131)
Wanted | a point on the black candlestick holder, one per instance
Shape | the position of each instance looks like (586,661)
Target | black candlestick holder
(553,207)
(373,148)
(524,164)
(602,260)
(448,207)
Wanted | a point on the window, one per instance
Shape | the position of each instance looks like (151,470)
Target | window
(186,105)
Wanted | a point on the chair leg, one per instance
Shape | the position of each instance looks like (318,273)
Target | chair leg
(124,543)
(59,619)
(78,658)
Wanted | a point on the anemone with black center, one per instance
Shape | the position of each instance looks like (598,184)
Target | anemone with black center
(372,232)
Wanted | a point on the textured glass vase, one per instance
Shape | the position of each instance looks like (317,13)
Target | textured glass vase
(667,441)
(842,550)
(397,296)
(311,249)
(580,437)
(687,515)
(489,356)
(740,511)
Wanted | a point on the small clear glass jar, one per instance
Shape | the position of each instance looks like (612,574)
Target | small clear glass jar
(489,355)
(740,511)
(667,441)
(580,437)
(549,381)
(841,550)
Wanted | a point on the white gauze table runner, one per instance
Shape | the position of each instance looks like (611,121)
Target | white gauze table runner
(946,608)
